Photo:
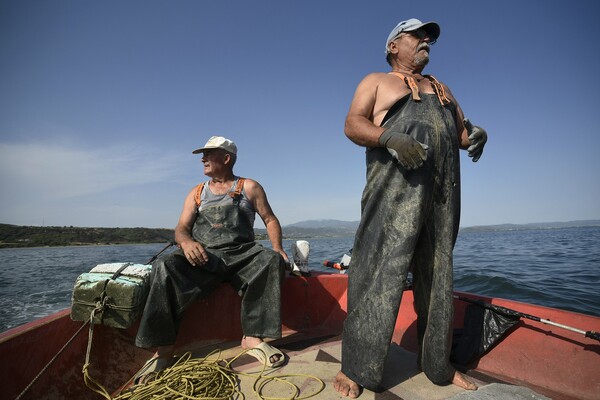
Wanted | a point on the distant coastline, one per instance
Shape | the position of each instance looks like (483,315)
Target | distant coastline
(532,226)
(14,236)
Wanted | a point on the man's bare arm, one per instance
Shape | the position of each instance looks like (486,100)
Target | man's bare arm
(463,134)
(258,197)
(193,251)
(359,126)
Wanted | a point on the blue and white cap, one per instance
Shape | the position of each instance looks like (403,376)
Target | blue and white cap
(432,28)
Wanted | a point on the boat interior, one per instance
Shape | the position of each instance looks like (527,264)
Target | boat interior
(529,363)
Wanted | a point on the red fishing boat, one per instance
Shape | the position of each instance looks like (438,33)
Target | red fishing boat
(44,359)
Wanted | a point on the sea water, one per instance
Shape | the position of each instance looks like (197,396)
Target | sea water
(555,267)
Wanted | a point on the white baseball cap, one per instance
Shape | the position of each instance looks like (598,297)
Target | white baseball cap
(432,28)
(218,142)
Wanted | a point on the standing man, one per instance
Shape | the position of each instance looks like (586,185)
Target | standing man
(412,128)
(216,243)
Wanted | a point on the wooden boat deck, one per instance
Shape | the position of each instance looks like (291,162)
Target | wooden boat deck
(319,355)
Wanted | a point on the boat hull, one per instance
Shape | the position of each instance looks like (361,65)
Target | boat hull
(550,360)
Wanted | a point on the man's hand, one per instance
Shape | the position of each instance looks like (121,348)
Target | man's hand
(404,148)
(283,255)
(477,137)
(194,252)
(286,260)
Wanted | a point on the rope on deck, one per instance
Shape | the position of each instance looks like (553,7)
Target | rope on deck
(210,378)
(192,378)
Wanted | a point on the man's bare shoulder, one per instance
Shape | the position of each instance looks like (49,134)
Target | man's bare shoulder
(249,182)
(376,75)
(379,84)
(193,191)
(382,80)
(448,92)
(252,187)
(375,78)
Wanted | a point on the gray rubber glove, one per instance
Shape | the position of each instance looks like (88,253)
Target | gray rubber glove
(477,137)
(409,152)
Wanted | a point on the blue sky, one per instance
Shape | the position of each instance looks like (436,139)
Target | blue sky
(102,102)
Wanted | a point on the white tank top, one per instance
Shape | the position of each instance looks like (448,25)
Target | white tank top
(209,199)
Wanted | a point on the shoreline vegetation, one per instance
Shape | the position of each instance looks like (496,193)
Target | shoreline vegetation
(15,236)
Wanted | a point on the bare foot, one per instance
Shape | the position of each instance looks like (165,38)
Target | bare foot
(250,342)
(346,386)
(463,381)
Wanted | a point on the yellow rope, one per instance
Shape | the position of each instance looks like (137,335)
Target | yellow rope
(89,381)
(93,384)
(209,378)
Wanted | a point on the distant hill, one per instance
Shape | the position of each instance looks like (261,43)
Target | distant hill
(324,223)
(321,228)
(39,236)
(317,228)
(538,225)
(332,227)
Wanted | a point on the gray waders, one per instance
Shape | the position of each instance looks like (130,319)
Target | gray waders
(409,222)
(254,271)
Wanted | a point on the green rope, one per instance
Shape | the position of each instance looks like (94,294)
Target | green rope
(209,378)
(89,381)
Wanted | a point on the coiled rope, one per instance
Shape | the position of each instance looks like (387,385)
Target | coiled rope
(210,378)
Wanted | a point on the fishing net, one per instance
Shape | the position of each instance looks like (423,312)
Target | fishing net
(482,329)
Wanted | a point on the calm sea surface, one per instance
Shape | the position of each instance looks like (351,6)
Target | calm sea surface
(557,268)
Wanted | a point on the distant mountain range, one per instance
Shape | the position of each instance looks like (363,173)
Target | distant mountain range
(320,228)
(538,225)
(333,227)
(324,223)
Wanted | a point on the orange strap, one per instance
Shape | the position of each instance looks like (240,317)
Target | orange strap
(438,88)
(238,190)
(198,193)
(412,85)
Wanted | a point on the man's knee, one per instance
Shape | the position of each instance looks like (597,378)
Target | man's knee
(168,263)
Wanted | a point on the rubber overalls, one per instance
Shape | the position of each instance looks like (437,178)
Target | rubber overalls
(254,271)
(409,222)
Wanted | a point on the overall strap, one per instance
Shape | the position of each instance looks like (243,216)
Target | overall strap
(198,193)
(238,188)
(237,192)
(410,82)
(439,90)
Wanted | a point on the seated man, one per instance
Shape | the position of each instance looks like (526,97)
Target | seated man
(216,243)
